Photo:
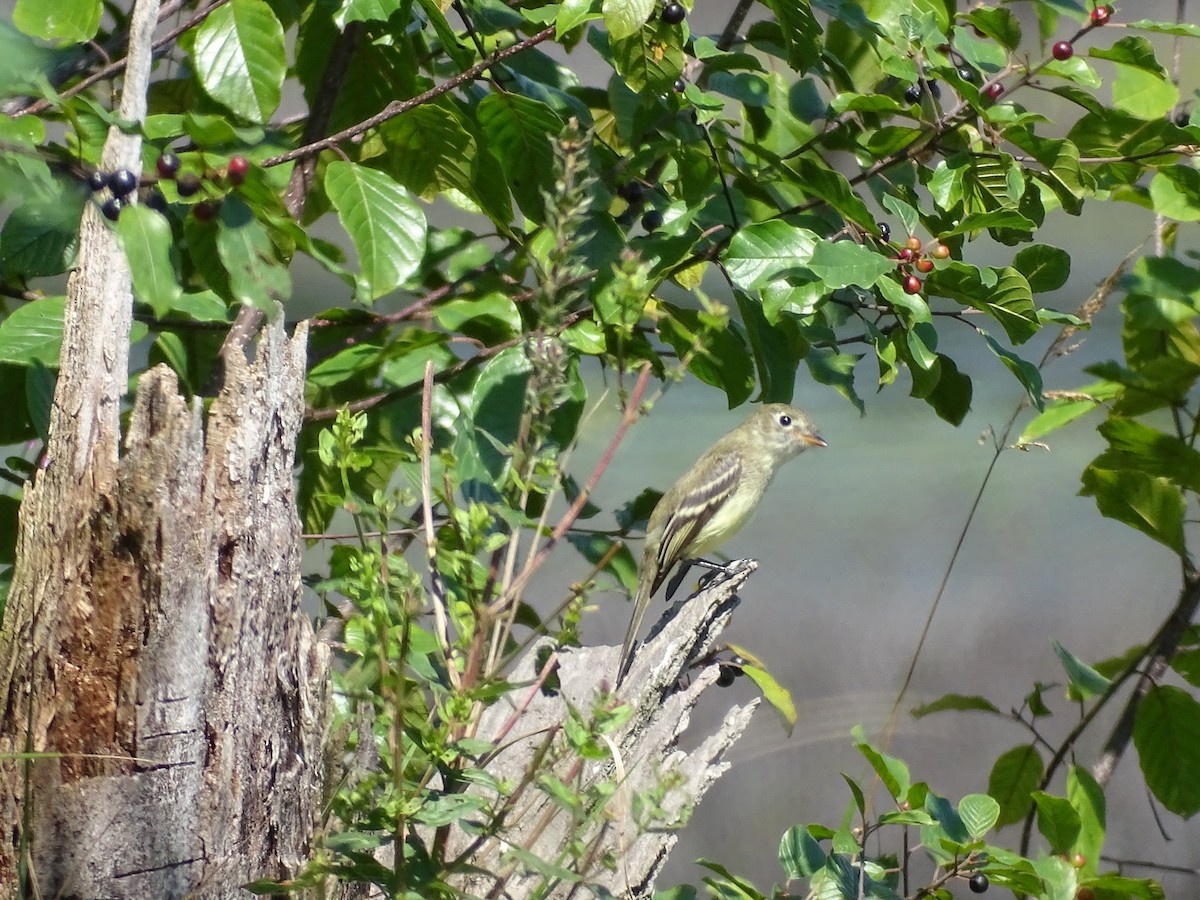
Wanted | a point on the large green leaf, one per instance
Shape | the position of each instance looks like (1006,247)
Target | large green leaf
(388,228)
(58,21)
(1087,798)
(623,18)
(256,276)
(1015,775)
(32,333)
(150,250)
(239,58)
(1154,506)
(519,133)
(768,252)
(651,58)
(1057,821)
(1166,734)
(801,32)
(41,237)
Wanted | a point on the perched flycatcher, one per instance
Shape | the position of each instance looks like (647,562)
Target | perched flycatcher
(716,497)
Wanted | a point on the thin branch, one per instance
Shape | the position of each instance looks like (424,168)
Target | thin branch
(631,414)
(437,589)
(399,107)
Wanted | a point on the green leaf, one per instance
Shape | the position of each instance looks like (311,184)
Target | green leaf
(519,132)
(717,356)
(60,21)
(836,369)
(1166,734)
(651,58)
(891,771)
(388,229)
(256,277)
(1027,373)
(623,18)
(774,693)
(32,333)
(239,58)
(979,813)
(1063,412)
(41,237)
(1003,293)
(768,251)
(1015,775)
(1137,446)
(1087,799)
(907,215)
(149,247)
(947,818)
(844,263)
(1175,192)
(956,702)
(1085,682)
(800,856)
(1152,505)
(801,32)
(1045,268)
(1057,821)
(1143,94)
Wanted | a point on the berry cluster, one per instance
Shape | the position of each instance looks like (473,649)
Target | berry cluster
(913,255)
(634,193)
(122,183)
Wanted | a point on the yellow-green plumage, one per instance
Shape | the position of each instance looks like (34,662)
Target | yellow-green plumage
(715,498)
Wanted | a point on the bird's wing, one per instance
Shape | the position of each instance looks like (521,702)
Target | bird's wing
(698,502)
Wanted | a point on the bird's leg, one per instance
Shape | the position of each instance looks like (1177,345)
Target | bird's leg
(714,568)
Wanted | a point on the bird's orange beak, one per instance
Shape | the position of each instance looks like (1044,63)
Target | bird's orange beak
(813,440)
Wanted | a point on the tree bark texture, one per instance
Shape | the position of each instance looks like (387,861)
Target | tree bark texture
(163,697)
(646,755)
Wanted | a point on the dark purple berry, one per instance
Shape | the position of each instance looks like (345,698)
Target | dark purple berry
(725,676)
(187,184)
(885,230)
(97,181)
(913,93)
(978,883)
(168,165)
(156,201)
(112,208)
(680,86)
(206,210)
(631,192)
(674,13)
(652,220)
(122,183)
(967,74)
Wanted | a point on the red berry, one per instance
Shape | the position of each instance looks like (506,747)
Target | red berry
(912,285)
(941,251)
(674,13)
(907,255)
(1062,50)
(993,90)
(205,210)
(913,243)
(925,266)
(1101,15)
(238,167)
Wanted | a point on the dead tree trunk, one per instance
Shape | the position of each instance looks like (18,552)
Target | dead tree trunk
(153,649)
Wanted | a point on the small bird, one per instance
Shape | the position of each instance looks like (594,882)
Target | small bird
(717,496)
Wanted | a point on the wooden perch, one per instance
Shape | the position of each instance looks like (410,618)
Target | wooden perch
(661,691)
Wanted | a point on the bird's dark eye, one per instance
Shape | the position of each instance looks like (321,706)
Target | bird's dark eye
(785,420)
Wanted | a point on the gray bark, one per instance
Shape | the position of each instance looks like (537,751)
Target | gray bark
(153,647)
(661,691)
